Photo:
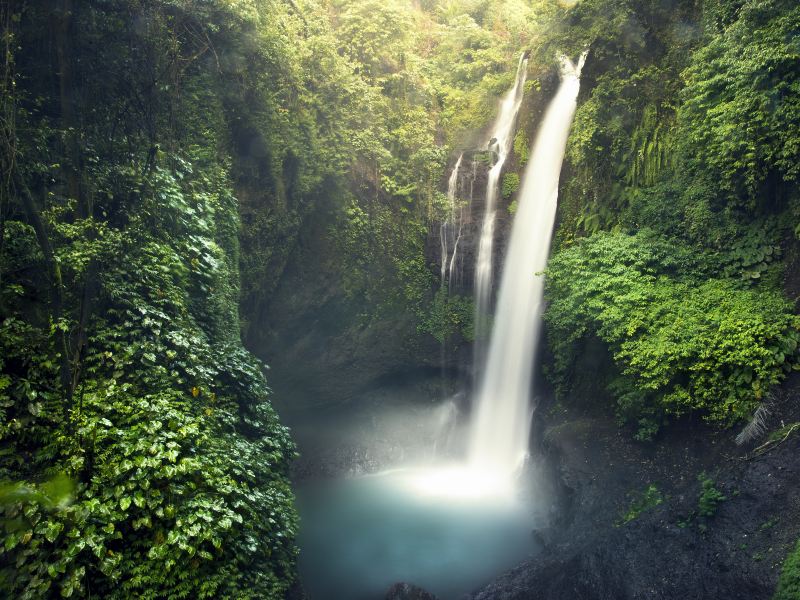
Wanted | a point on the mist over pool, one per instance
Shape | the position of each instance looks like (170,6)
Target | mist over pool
(360,535)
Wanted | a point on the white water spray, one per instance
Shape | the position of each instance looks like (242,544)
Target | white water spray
(501,421)
(500,141)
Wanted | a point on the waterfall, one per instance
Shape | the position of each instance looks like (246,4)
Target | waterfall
(464,211)
(447,230)
(458,234)
(501,419)
(500,142)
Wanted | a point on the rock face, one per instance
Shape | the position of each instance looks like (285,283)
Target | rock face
(669,550)
(473,175)
(319,346)
(405,591)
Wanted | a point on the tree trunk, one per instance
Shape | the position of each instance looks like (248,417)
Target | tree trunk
(56,289)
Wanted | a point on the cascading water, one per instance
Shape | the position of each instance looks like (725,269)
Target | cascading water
(501,421)
(459,232)
(448,229)
(454,268)
(500,141)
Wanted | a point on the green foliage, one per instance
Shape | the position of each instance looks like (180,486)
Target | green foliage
(141,456)
(699,119)
(789,581)
(510,185)
(56,492)
(449,315)
(708,502)
(621,141)
(476,46)
(740,119)
(426,75)
(769,524)
(166,394)
(641,502)
(649,151)
(782,433)
(682,341)
(522,146)
(719,14)
(683,177)
(710,497)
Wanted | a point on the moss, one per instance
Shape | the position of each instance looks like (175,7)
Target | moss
(769,524)
(521,146)
(510,184)
(782,433)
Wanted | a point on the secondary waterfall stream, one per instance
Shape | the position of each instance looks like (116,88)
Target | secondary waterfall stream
(450,230)
(501,421)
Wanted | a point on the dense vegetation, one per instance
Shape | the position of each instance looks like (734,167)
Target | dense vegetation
(680,205)
(143,457)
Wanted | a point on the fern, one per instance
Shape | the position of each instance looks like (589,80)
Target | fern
(758,424)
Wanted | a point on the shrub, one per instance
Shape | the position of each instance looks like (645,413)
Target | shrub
(789,582)
(682,341)
(642,502)
(510,184)
(710,497)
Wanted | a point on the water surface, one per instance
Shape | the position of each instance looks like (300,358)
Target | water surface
(360,535)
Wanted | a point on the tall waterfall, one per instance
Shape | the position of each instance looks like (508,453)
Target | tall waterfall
(501,421)
(500,141)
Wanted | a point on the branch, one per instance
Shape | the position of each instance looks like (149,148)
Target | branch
(772,444)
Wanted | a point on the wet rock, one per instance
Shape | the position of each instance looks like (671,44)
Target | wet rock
(406,591)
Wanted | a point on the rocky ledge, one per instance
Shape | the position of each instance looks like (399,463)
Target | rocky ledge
(690,516)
